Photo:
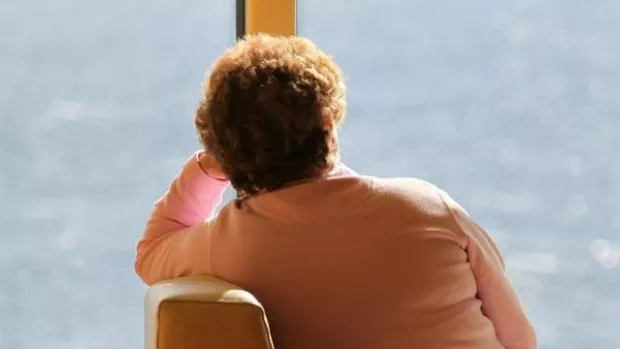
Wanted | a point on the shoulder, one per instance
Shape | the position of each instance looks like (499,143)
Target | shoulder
(406,184)
(411,190)
(417,190)
(418,204)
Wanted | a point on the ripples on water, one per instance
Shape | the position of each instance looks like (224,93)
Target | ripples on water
(511,107)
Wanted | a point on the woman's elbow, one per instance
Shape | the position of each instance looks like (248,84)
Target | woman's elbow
(143,266)
(142,271)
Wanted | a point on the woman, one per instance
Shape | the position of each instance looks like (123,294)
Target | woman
(338,259)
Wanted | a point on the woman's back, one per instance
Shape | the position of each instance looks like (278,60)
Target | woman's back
(354,262)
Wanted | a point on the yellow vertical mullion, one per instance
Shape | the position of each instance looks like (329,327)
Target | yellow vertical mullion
(275,17)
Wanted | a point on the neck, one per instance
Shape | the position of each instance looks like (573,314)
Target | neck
(322,174)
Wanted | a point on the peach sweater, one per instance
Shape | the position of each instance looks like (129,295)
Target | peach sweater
(346,262)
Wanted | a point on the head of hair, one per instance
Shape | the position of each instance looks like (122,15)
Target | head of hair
(269,112)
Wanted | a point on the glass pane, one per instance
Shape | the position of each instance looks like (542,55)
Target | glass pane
(96,101)
(512,107)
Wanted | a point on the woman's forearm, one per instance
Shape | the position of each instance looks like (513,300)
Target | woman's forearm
(192,197)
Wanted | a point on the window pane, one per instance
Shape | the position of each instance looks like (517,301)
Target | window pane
(96,101)
(513,108)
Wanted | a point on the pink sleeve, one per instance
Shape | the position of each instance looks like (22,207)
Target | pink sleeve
(176,231)
(500,302)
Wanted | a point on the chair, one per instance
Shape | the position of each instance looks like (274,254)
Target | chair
(204,313)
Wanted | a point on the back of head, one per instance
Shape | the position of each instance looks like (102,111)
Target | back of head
(270,110)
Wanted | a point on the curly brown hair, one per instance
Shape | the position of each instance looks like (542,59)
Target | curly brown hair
(269,112)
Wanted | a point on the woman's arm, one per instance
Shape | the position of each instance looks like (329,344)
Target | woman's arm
(176,235)
(500,302)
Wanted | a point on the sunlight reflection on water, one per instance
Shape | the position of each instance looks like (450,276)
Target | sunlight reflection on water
(606,253)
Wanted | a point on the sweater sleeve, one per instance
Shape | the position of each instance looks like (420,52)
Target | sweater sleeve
(176,236)
(500,302)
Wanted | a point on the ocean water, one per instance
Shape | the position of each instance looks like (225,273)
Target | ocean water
(512,107)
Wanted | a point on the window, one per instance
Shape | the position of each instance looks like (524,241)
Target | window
(97,101)
(512,108)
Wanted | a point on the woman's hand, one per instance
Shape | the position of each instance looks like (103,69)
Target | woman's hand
(210,166)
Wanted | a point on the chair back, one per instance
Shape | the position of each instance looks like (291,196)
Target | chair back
(204,313)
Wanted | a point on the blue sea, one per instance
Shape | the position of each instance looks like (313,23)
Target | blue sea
(512,107)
